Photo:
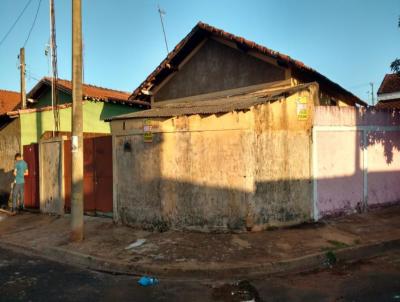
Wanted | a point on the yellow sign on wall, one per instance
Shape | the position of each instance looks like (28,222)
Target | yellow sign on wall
(147,132)
(302,109)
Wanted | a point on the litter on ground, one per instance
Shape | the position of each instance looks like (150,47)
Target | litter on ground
(137,243)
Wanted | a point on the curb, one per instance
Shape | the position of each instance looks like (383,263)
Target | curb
(204,270)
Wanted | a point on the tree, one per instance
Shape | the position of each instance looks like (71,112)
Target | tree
(395,66)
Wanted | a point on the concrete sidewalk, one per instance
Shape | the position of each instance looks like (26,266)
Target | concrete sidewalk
(198,255)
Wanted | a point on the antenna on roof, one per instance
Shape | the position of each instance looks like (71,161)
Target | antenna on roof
(372,93)
(162,13)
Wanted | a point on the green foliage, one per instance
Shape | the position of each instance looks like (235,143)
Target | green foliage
(395,66)
(330,258)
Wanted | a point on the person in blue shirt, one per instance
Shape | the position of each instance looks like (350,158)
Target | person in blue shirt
(20,170)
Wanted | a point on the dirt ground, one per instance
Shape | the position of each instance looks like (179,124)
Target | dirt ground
(188,249)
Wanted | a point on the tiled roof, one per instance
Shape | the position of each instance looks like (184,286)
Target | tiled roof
(95,92)
(9,100)
(202,30)
(390,84)
(90,92)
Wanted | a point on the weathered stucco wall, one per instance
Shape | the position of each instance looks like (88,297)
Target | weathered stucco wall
(235,170)
(51,176)
(282,162)
(216,67)
(357,159)
(9,145)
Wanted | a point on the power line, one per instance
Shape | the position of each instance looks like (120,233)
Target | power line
(358,86)
(15,22)
(33,23)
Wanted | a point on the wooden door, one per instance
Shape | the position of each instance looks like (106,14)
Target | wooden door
(31,156)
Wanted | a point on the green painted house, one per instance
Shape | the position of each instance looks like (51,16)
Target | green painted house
(98,104)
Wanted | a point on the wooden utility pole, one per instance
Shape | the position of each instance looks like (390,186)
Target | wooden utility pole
(22,70)
(77,125)
(54,72)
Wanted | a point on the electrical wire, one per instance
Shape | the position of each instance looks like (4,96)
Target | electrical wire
(15,22)
(33,76)
(33,23)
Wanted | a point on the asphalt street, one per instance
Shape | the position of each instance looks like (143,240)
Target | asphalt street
(25,278)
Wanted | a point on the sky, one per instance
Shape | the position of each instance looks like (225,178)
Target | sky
(352,42)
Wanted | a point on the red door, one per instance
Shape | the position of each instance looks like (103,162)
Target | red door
(88,176)
(103,173)
(97,174)
(31,156)
(67,175)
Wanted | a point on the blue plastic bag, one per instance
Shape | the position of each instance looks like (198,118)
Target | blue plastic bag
(148,281)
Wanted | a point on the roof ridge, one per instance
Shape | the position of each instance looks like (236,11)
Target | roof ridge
(6,90)
(91,85)
(105,88)
(216,30)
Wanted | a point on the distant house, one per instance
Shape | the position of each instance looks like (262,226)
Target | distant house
(389,92)
(35,122)
(233,140)
(9,139)
(99,103)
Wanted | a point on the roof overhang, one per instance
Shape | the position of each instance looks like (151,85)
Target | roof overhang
(223,104)
(389,96)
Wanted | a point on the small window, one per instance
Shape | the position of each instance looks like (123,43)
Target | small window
(127,146)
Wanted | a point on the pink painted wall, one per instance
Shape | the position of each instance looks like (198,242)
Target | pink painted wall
(383,167)
(340,175)
(344,157)
(352,116)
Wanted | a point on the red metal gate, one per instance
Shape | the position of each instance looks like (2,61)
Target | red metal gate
(31,156)
(97,174)
(103,173)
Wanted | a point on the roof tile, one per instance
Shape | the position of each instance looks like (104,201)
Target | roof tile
(9,100)
(92,91)
(390,84)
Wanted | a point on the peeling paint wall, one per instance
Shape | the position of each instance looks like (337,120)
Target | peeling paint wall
(283,186)
(9,145)
(247,169)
